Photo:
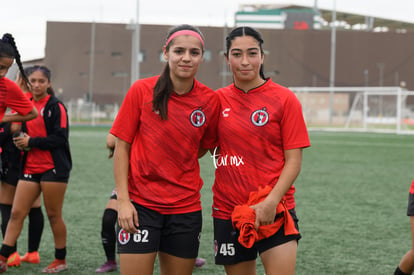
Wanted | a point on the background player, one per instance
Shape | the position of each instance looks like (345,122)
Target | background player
(406,265)
(46,167)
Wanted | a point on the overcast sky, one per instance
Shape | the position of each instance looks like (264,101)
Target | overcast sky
(26,19)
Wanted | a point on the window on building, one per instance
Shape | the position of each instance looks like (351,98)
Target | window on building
(162,59)
(207,55)
(119,74)
(142,56)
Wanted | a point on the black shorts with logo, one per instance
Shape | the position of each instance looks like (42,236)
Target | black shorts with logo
(175,234)
(228,250)
(49,175)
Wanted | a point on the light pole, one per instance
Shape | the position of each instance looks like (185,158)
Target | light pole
(332,65)
(224,60)
(91,62)
(135,51)
(366,77)
(381,67)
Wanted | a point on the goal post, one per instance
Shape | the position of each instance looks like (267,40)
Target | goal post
(376,109)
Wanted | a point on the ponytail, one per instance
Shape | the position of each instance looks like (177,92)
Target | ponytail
(9,49)
(162,92)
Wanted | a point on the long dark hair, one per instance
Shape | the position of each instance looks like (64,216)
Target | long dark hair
(164,86)
(45,71)
(9,49)
(246,31)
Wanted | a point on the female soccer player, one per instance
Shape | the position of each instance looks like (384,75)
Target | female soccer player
(10,157)
(11,96)
(162,123)
(406,265)
(109,218)
(261,133)
(46,166)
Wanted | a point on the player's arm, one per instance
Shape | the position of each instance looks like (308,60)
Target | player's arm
(15,127)
(266,210)
(127,214)
(16,117)
(24,86)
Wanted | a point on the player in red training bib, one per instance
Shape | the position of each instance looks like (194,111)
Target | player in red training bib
(406,265)
(261,134)
(161,126)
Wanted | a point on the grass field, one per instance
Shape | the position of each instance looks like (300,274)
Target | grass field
(351,201)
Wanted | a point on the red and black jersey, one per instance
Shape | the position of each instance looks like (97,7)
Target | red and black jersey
(164,173)
(11,96)
(254,129)
(49,139)
(38,161)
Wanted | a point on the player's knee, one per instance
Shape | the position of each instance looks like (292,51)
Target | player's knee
(18,215)
(54,216)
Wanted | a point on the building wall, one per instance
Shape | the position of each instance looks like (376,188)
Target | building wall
(302,58)
(293,58)
(68,54)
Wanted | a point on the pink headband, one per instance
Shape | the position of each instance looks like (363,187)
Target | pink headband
(185,32)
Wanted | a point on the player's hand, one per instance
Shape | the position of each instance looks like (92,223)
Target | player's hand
(265,213)
(26,87)
(127,216)
(21,140)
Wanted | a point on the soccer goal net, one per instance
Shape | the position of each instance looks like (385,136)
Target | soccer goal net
(380,109)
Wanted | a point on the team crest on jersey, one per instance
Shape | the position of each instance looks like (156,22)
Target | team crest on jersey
(123,236)
(42,111)
(260,117)
(198,118)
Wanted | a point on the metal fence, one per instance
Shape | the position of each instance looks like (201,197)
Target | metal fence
(380,109)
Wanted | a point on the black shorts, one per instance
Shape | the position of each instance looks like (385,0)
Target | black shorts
(228,250)
(49,175)
(176,234)
(10,175)
(11,157)
(410,207)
